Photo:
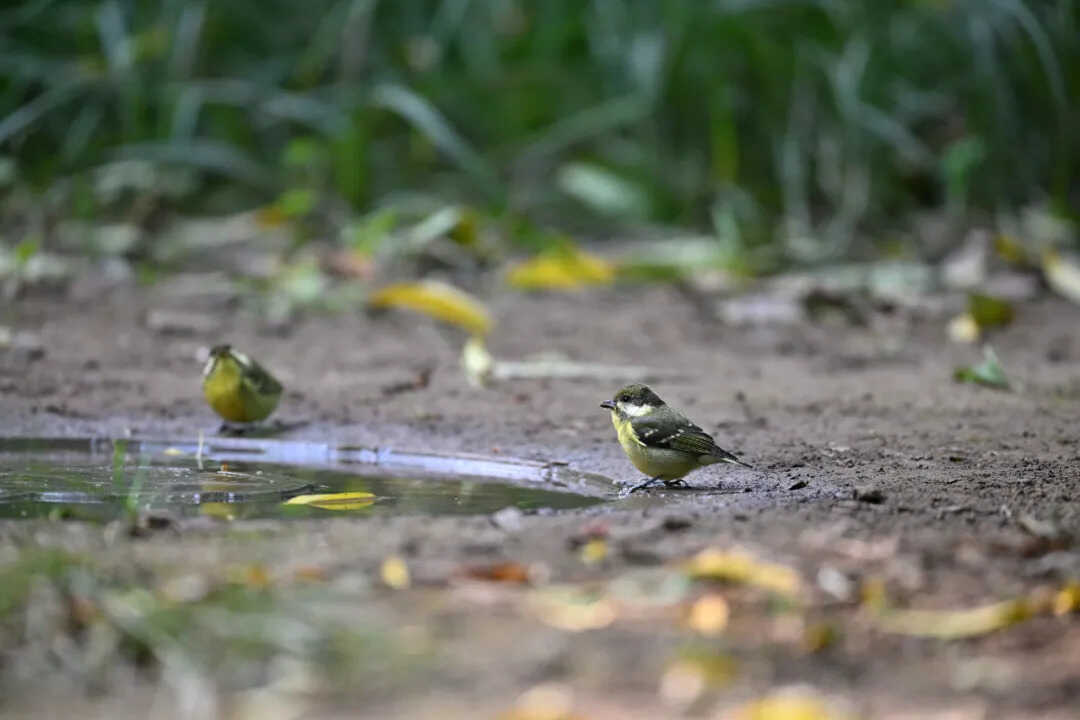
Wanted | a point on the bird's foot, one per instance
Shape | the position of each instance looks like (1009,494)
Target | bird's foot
(259,429)
(640,486)
(229,429)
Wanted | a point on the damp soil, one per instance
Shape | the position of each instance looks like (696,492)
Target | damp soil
(868,458)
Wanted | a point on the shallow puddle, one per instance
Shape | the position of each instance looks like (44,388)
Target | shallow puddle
(241,478)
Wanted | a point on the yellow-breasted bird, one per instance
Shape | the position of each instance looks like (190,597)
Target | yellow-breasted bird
(239,389)
(661,441)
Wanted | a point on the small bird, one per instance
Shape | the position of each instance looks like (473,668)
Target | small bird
(660,441)
(238,388)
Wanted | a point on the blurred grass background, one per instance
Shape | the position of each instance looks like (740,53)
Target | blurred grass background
(806,127)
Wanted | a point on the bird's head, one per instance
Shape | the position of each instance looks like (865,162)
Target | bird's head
(220,353)
(634,401)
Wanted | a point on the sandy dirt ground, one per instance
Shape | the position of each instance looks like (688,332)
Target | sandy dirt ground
(873,469)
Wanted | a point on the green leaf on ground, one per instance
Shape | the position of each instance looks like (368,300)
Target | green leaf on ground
(603,190)
(296,203)
(367,234)
(989,372)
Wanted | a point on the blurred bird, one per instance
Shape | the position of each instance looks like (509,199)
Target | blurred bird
(661,441)
(238,388)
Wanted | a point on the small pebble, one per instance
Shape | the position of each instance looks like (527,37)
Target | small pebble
(507,519)
(869,494)
(674,523)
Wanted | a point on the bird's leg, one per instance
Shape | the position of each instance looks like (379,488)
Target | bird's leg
(229,429)
(643,484)
(677,482)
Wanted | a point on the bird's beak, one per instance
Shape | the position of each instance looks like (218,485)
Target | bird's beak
(608,405)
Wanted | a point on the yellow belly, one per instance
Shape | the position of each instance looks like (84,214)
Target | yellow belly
(234,401)
(653,462)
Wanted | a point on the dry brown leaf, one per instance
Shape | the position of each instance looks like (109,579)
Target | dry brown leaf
(504,572)
(270,217)
(349,263)
(256,576)
(311,573)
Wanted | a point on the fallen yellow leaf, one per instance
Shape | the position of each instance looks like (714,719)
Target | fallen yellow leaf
(593,551)
(963,329)
(335,501)
(785,705)
(683,683)
(395,573)
(477,361)
(438,300)
(709,614)
(950,624)
(1010,249)
(544,702)
(989,311)
(562,268)
(687,678)
(817,637)
(874,595)
(572,608)
(738,567)
(1067,599)
(1062,275)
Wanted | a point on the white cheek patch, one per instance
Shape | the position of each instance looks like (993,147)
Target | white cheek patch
(633,410)
(210,362)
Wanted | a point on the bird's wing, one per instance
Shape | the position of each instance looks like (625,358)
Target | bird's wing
(260,380)
(673,431)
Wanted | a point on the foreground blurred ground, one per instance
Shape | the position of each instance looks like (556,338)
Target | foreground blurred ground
(879,482)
